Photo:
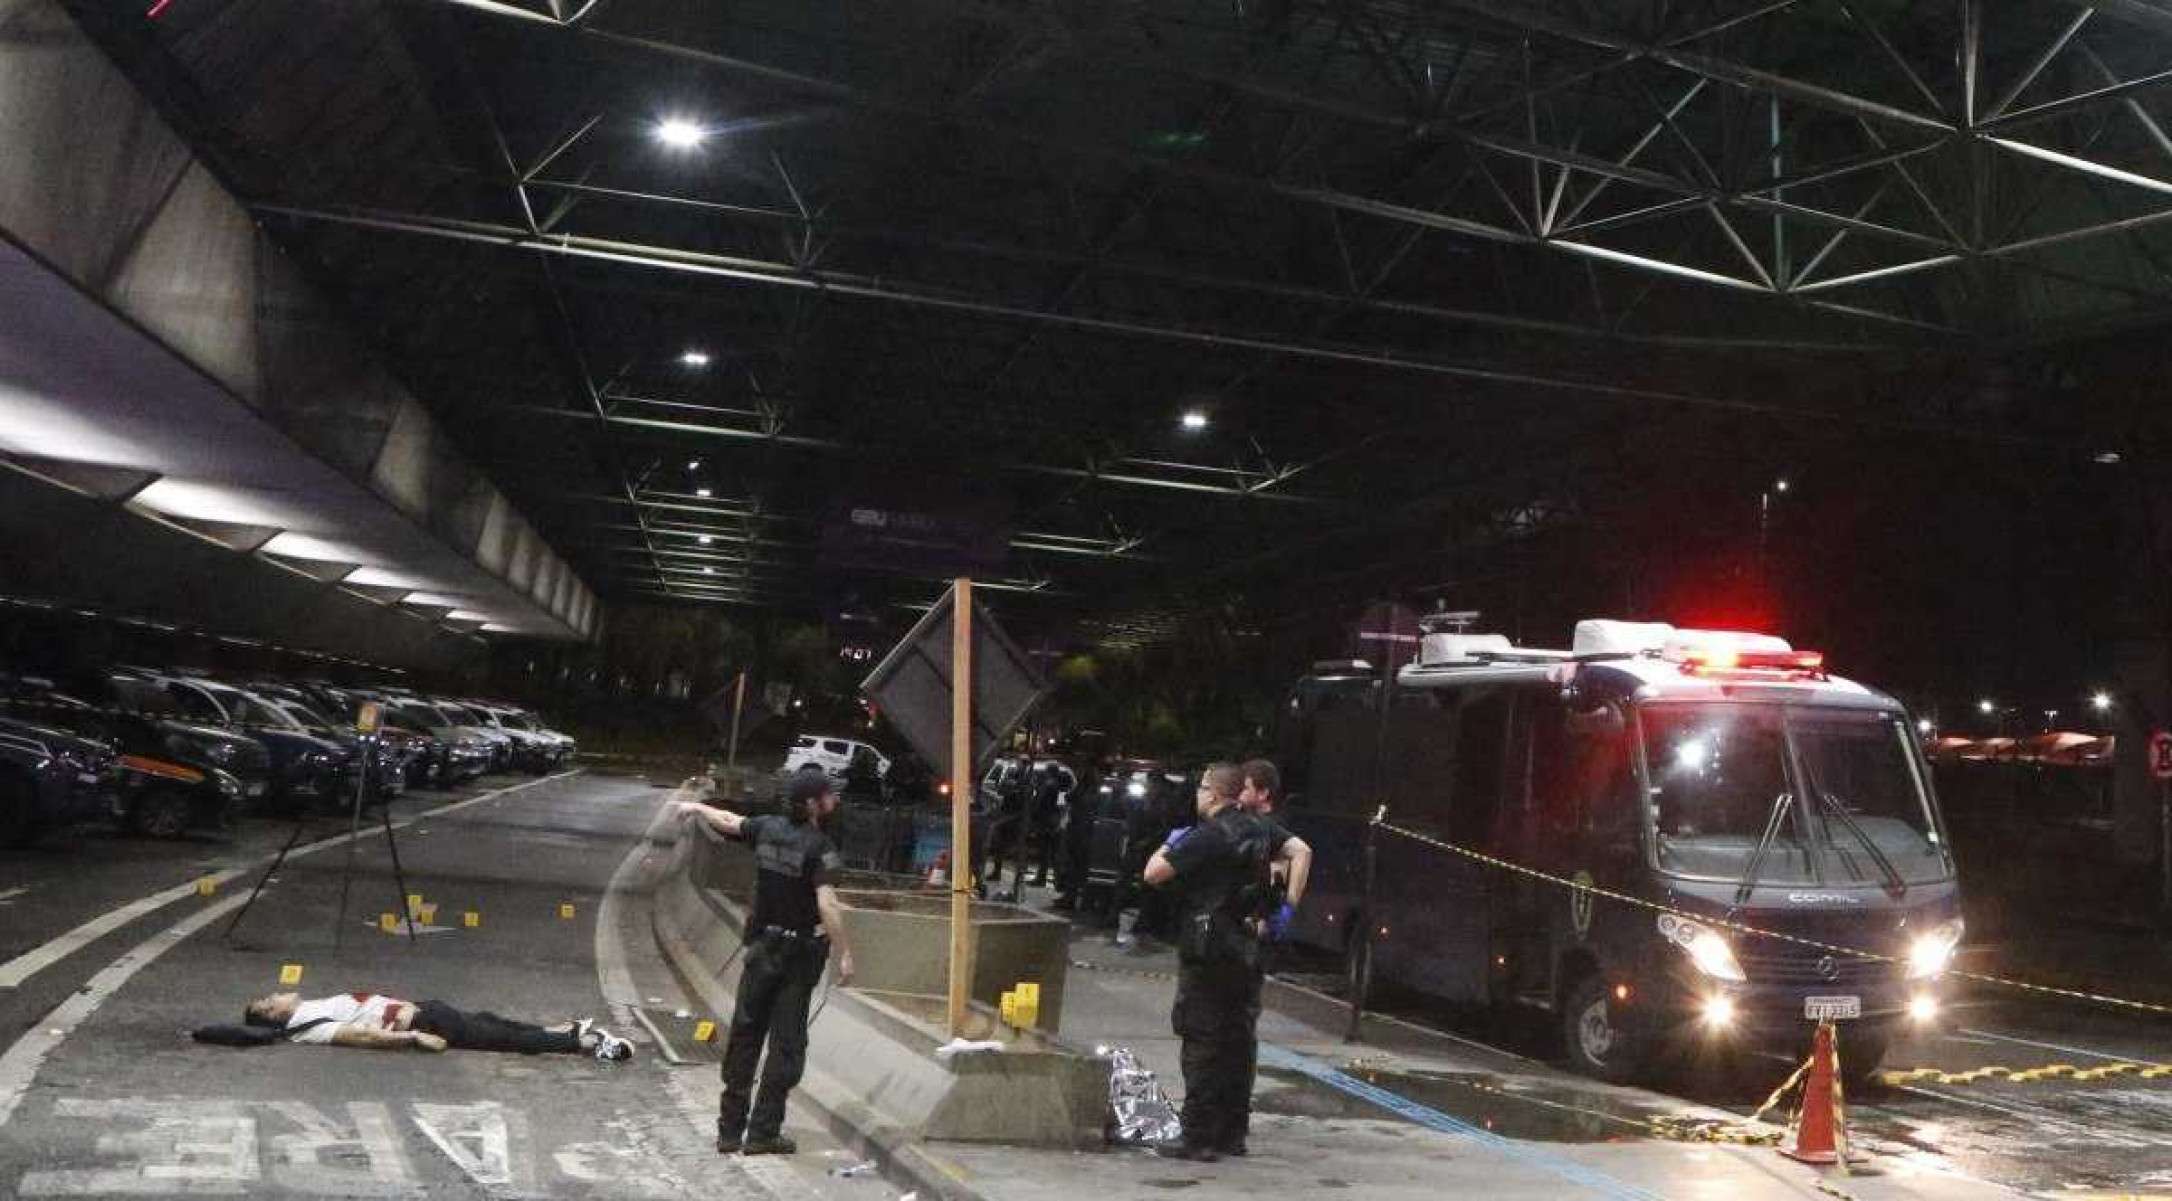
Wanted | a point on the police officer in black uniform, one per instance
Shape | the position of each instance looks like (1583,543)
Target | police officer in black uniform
(1220,870)
(795,922)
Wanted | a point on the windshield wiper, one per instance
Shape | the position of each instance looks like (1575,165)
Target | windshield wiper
(1895,883)
(1748,885)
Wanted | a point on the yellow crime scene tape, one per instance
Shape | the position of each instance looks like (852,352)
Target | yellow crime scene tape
(2050,1071)
(1739,928)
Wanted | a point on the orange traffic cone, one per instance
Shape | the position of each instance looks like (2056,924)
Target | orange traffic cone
(1817,1128)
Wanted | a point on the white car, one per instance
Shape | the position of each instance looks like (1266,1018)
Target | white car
(832,755)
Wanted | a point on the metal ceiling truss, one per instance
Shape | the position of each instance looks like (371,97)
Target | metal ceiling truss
(1524,196)
(1704,204)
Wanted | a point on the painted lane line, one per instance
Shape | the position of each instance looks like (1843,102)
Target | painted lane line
(2066,1050)
(11,894)
(671,1056)
(1546,1161)
(37,959)
(613,975)
(19,1065)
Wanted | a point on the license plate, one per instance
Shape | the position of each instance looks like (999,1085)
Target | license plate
(1819,1009)
(254,791)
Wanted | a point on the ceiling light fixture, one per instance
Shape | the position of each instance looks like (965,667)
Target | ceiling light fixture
(701,492)
(694,358)
(1193,421)
(680,133)
(706,540)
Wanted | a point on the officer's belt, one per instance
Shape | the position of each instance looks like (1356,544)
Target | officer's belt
(789,934)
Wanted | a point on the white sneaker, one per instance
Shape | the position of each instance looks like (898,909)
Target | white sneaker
(611,1048)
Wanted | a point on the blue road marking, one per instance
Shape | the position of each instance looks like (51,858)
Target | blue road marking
(1433,1119)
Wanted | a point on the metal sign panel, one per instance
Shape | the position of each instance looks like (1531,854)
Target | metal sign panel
(2160,755)
(913,686)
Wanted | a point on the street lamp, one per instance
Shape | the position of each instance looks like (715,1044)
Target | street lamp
(2101,701)
(1986,706)
(679,133)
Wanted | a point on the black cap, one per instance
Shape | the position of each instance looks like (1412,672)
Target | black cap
(810,786)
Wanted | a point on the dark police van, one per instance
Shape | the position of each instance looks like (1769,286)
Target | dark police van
(1720,775)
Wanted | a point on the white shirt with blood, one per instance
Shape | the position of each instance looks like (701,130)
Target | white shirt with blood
(349,1011)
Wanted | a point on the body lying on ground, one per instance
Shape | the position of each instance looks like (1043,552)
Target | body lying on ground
(378,1022)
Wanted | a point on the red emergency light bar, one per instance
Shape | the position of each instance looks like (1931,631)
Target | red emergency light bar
(1717,660)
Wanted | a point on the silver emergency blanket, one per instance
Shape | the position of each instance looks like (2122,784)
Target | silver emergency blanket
(1142,1113)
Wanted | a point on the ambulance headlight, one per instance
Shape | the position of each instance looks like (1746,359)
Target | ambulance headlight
(1705,947)
(1932,951)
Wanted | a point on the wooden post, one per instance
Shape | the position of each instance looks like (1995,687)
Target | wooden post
(961,802)
(739,701)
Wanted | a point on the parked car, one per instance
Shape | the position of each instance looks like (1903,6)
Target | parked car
(50,777)
(388,760)
(475,725)
(174,774)
(453,754)
(305,767)
(536,749)
(833,755)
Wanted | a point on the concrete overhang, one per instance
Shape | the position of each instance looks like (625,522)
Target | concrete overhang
(159,352)
(89,402)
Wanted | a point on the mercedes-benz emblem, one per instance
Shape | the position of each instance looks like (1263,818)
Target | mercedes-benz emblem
(1827,969)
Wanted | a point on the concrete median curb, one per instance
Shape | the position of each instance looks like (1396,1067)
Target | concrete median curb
(871,1074)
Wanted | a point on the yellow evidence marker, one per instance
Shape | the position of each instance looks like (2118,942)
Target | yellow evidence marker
(471,919)
(291,974)
(414,904)
(388,922)
(704,1032)
(566,911)
(428,913)
(207,886)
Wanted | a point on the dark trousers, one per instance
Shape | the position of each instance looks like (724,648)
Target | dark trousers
(1217,1016)
(1047,841)
(489,1032)
(774,989)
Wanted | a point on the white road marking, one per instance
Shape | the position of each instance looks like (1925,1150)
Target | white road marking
(2064,1050)
(185,1146)
(322,1158)
(19,1064)
(613,975)
(474,1137)
(167,1146)
(37,959)
(671,1054)
(11,894)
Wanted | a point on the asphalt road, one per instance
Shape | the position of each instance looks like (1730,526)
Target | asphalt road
(2078,1139)
(108,956)
(103,1094)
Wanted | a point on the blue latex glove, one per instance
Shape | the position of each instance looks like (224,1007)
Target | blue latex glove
(1278,924)
(1176,837)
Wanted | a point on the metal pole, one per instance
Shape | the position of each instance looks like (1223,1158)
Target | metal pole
(961,801)
(739,701)
(346,871)
(384,814)
(264,879)
(2164,846)
(1361,966)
